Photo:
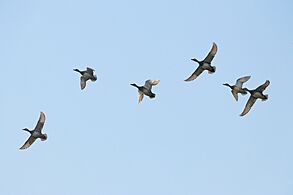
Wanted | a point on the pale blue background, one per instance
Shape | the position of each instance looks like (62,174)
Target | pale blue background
(188,140)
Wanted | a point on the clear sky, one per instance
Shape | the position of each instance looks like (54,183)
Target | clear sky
(189,140)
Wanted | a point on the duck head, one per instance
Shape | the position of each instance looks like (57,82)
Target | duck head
(77,70)
(26,129)
(135,85)
(227,84)
(195,60)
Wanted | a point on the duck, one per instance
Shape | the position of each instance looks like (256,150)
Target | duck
(204,64)
(88,74)
(146,89)
(237,88)
(35,133)
(254,95)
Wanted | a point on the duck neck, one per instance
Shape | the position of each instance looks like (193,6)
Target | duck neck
(30,131)
(195,60)
(135,85)
(250,91)
(228,85)
(77,70)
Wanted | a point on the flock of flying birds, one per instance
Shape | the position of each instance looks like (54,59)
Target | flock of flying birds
(146,89)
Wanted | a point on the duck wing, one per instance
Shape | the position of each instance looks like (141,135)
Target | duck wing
(82,82)
(263,86)
(91,74)
(90,70)
(248,105)
(195,74)
(140,96)
(41,122)
(149,83)
(235,94)
(28,143)
(242,80)
(211,54)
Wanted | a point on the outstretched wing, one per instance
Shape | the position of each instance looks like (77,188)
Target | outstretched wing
(149,83)
(263,86)
(235,94)
(90,70)
(82,82)
(28,143)
(41,122)
(195,74)
(248,105)
(211,54)
(140,96)
(242,80)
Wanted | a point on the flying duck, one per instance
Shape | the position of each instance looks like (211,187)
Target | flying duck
(204,64)
(146,89)
(254,95)
(36,133)
(237,88)
(87,74)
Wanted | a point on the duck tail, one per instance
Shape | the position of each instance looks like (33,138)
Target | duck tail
(213,70)
(153,96)
(266,98)
(45,137)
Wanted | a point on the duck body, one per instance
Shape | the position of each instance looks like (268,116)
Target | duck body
(257,94)
(146,89)
(204,64)
(88,74)
(254,95)
(37,134)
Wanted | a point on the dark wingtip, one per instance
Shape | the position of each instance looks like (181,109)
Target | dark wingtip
(243,113)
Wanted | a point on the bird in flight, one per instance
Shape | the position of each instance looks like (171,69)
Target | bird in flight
(35,133)
(88,74)
(237,88)
(146,89)
(204,64)
(254,95)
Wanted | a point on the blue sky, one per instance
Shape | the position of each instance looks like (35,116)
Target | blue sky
(188,140)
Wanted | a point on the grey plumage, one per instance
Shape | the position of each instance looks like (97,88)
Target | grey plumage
(88,74)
